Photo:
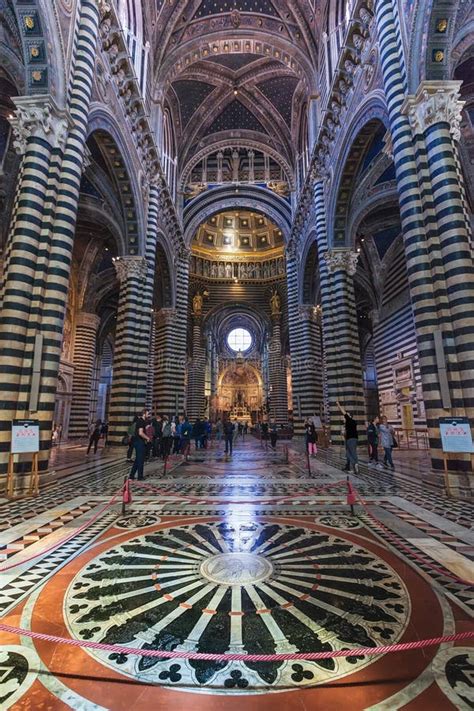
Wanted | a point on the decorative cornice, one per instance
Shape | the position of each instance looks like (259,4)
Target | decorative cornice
(131,267)
(341,259)
(38,116)
(435,102)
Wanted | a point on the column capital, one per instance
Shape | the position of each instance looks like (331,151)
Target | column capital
(309,313)
(127,267)
(435,102)
(88,320)
(165,316)
(341,259)
(41,117)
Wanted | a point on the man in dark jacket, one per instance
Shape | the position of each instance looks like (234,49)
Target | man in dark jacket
(229,428)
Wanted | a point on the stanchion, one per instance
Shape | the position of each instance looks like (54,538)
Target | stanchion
(10,477)
(287,454)
(126,495)
(351,496)
(34,480)
(308,461)
(165,466)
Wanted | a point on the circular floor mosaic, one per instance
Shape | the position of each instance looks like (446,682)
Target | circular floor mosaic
(256,588)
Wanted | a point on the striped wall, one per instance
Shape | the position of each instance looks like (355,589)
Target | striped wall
(195,403)
(277,375)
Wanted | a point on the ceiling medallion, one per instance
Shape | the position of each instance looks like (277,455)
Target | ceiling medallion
(235,18)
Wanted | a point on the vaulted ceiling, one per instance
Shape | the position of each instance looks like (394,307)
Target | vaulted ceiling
(234,70)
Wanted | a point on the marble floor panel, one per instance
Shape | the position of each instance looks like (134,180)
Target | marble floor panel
(249,555)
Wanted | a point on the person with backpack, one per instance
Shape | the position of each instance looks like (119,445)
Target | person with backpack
(373,440)
(140,442)
(94,436)
(166,437)
(229,428)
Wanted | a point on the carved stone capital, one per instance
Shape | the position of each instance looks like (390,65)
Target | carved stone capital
(341,259)
(435,102)
(105,7)
(87,320)
(165,317)
(38,116)
(309,313)
(131,267)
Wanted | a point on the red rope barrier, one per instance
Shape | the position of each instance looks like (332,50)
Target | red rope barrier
(211,657)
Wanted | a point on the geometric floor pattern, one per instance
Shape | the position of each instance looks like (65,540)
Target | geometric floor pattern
(245,555)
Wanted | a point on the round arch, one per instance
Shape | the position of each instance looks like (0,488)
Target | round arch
(221,199)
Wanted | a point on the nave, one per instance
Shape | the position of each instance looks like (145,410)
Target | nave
(250,555)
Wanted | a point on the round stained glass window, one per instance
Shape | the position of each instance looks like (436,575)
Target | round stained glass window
(239,339)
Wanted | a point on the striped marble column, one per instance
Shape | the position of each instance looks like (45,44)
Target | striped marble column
(341,341)
(85,343)
(196,371)
(128,393)
(40,130)
(277,374)
(181,329)
(164,387)
(429,205)
(311,378)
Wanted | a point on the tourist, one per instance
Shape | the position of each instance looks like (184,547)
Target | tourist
(94,436)
(246,429)
(351,437)
(229,428)
(140,442)
(104,432)
(198,433)
(373,441)
(207,431)
(166,437)
(236,430)
(219,430)
(387,440)
(176,435)
(264,432)
(154,434)
(311,437)
(273,433)
(185,433)
(130,435)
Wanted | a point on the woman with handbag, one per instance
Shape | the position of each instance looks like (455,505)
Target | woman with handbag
(387,440)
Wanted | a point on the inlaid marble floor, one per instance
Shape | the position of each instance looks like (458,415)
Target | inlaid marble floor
(244,555)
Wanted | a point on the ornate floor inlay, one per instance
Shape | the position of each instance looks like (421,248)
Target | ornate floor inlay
(245,557)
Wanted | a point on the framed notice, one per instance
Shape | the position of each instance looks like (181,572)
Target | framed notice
(25,436)
(456,435)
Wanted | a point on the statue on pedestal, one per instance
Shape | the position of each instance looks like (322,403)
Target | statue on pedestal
(275,303)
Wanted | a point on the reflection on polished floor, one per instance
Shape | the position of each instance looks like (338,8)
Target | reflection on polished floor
(248,555)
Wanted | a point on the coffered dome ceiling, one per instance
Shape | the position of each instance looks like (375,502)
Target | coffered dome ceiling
(235,70)
(237,231)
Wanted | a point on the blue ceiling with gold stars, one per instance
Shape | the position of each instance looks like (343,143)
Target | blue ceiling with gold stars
(280,90)
(190,95)
(214,7)
(235,116)
(235,62)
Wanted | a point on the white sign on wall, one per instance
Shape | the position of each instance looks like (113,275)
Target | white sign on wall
(25,436)
(456,435)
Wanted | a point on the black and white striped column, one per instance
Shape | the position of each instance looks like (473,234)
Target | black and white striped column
(129,383)
(277,373)
(180,329)
(341,342)
(196,372)
(164,388)
(40,130)
(428,188)
(85,343)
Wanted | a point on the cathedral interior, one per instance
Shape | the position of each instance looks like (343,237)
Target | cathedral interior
(236,355)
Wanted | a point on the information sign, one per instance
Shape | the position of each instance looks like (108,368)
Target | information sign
(25,436)
(456,435)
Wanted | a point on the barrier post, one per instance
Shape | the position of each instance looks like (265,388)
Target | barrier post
(165,466)
(287,454)
(351,496)
(10,477)
(126,495)
(308,461)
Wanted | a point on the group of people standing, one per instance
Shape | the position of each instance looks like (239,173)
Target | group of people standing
(378,431)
